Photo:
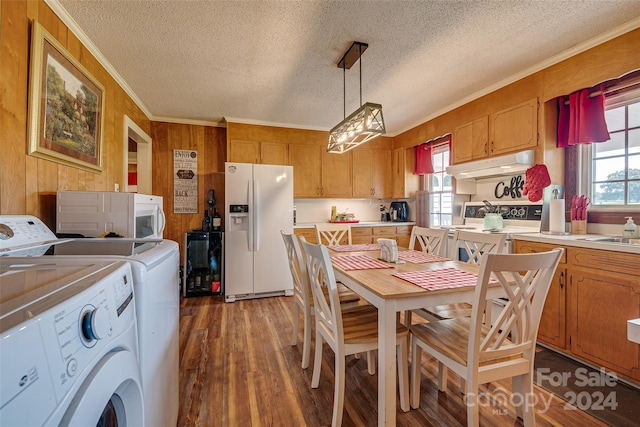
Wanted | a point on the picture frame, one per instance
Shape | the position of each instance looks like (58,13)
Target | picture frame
(66,106)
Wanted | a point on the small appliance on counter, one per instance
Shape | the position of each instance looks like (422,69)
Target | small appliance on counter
(399,211)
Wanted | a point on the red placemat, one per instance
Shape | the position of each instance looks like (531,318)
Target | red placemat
(445,278)
(417,257)
(357,262)
(355,248)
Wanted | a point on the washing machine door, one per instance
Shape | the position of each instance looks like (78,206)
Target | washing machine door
(111,395)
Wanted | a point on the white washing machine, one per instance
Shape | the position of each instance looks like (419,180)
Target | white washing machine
(68,345)
(155,269)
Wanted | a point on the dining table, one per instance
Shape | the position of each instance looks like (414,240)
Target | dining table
(440,281)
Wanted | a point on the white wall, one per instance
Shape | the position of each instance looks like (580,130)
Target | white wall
(365,210)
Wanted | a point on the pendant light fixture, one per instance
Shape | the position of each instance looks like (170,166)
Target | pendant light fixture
(364,124)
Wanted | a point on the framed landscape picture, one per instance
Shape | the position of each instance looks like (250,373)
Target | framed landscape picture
(66,106)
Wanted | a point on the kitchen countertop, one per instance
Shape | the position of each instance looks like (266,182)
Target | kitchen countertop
(361,224)
(578,240)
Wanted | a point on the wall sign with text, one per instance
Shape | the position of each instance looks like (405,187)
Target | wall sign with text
(185,181)
(513,189)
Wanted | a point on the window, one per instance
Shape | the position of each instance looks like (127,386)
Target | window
(439,187)
(614,166)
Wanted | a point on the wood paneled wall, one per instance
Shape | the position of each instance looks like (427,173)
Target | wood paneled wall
(28,185)
(210,143)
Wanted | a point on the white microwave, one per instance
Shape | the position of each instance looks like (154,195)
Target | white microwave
(95,213)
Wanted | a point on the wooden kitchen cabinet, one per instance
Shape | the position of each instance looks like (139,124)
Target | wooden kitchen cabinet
(336,175)
(470,141)
(244,151)
(507,131)
(361,235)
(371,173)
(405,183)
(514,128)
(604,292)
(552,329)
(307,169)
(309,233)
(274,153)
(317,173)
(268,153)
(591,306)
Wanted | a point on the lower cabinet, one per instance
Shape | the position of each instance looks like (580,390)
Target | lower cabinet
(552,328)
(593,294)
(604,292)
(401,233)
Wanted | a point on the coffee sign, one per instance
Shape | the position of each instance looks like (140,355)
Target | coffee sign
(513,190)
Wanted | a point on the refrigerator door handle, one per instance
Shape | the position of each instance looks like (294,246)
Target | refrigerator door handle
(256,216)
(250,200)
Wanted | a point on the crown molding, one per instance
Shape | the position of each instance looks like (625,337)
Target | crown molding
(273,124)
(197,122)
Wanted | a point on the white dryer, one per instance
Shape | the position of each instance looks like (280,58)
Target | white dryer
(155,269)
(68,345)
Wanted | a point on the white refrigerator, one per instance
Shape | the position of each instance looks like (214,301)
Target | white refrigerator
(258,204)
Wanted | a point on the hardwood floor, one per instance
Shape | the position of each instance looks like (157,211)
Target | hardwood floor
(238,368)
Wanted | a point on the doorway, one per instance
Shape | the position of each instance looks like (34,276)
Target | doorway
(137,159)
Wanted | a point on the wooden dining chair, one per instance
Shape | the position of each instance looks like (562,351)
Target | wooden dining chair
(302,298)
(482,353)
(347,331)
(470,245)
(332,234)
(430,240)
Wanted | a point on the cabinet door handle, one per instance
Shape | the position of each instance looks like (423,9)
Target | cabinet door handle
(492,147)
(561,279)
(486,148)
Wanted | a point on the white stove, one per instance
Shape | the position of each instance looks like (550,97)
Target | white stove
(518,217)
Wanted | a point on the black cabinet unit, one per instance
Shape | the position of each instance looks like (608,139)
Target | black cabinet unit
(203,263)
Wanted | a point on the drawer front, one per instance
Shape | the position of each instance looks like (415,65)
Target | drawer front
(618,262)
(524,247)
(361,239)
(384,231)
(404,229)
(361,231)
(308,233)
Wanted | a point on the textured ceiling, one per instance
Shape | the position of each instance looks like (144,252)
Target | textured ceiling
(274,62)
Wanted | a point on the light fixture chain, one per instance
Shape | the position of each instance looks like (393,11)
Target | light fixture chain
(344,91)
(360,56)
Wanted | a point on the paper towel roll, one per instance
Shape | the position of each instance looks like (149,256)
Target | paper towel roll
(556,216)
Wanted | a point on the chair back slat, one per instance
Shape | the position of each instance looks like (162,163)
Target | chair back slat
(301,287)
(525,280)
(324,289)
(331,234)
(476,244)
(429,239)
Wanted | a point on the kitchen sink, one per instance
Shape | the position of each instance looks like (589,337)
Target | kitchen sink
(614,239)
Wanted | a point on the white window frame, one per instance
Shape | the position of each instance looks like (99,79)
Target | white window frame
(585,173)
(438,149)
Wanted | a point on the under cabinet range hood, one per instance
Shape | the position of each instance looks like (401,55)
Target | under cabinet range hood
(510,164)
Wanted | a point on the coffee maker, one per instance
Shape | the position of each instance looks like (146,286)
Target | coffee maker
(399,211)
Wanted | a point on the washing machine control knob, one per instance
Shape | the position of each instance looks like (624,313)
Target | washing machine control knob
(96,324)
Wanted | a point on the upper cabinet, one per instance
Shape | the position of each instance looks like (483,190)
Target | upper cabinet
(244,151)
(506,131)
(336,174)
(307,169)
(269,153)
(515,128)
(371,173)
(471,141)
(405,183)
(274,153)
